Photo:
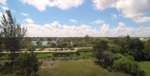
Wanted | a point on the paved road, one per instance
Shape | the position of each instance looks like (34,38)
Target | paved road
(41,51)
(48,51)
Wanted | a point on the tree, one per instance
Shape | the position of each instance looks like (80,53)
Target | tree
(27,44)
(48,44)
(26,64)
(0,40)
(38,43)
(53,45)
(99,47)
(87,38)
(13,34)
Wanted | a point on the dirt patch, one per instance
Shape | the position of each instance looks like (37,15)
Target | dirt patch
(47,65)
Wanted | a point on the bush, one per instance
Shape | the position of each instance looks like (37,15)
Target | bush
(32,48)
(127,66)
(117,56)
(26,64)
(114,48)
(141,73)
(84,50)
(109,69)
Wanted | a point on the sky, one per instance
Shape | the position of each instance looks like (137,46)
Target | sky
(77,18)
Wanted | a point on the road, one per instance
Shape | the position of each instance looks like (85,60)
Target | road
(48,50)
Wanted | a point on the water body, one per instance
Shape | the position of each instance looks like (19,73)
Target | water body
(45,42)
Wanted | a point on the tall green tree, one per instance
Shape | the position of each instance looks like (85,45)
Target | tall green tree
(13,34)
(99,47)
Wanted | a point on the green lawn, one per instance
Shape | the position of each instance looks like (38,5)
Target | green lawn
(4,56)
(145,65)
(39,55)
(82,67)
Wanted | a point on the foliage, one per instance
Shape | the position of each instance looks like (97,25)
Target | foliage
(13,34)
(107,57)
(26,64)
(48,44)
(146,52)
(114,48)
(133,47)
(69,46)
(38,43)
(99,47)
(53,45)
(127,66)
(84,50)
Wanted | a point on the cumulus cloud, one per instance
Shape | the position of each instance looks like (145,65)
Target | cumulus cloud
(47,30)
(102,4)
(97,22)
(142,20)
(56,24)
(28,20)
(62,4)
(72,20)
(3,2)
(24,14)
(128,8)
(114,16)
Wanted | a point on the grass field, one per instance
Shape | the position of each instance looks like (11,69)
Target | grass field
(145,65)
(82,67)
(39,55)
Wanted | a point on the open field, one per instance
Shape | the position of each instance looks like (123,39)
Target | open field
(145,65)
(82,67)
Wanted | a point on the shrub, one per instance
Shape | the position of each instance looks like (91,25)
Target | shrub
(114,48)
(141,73)
(117,56)
(84,50)
(26,64)
(109,69)
(127,66)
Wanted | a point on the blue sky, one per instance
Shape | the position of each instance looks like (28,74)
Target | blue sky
(76,18)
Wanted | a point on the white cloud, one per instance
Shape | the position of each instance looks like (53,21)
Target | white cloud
(142,20)
(62,4)
(30,21)
(24,14)
(13,11)
(3,2)
(47,30)
(4,8)
(128,8)
(56,24)
(97,22)
(114,16)
(102,4)
(72,20)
